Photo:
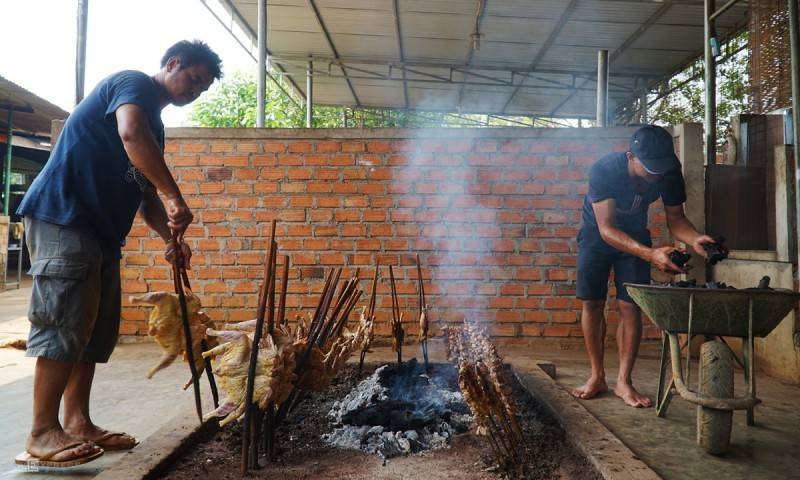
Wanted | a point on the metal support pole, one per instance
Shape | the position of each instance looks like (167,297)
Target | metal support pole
(80,56)
(794,42)
(643,108)
(310,95)
(261,99)
(710,125)
(602,88)
(7,170)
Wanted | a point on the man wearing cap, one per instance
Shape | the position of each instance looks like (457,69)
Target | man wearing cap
(614,236)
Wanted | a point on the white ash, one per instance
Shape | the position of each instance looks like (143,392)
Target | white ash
(424,411)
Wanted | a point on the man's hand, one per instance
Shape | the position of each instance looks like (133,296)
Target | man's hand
(659,258)
(179,217)
(184,255)
(698,243)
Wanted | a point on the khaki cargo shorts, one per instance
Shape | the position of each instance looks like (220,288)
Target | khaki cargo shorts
(75,303)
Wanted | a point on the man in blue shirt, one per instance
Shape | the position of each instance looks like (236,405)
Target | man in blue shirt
(614,236)
(108,164)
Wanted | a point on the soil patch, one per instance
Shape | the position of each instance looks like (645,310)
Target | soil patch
(302,454)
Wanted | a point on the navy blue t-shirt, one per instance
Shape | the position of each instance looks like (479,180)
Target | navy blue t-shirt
(609,178)
(88,182)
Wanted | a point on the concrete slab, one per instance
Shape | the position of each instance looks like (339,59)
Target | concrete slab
(122,399)
(768,450)
(14,312)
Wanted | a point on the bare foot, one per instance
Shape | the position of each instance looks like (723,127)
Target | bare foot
(107,440)
(592,388)
(631,397)
(40,444)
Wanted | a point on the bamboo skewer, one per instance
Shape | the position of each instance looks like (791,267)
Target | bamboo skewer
(187,331)
(397,319)
(370,315)
(423,320)
(284,285)
(212,384)
(249,460)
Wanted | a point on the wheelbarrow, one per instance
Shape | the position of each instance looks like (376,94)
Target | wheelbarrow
(713,313)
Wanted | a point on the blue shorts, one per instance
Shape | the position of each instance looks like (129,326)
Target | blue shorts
(594,267)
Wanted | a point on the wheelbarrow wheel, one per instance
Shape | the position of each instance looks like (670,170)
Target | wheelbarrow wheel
(716,380)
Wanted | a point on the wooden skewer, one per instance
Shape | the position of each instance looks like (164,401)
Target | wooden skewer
(397,327)
(422,307)
(284,285)
(212,384)
(247,428)
(370,314)
(187,331)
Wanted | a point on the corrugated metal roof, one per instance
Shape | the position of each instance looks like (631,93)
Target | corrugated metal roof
(36,122)
(536,57)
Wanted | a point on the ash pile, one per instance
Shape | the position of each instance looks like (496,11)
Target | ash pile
(400,410)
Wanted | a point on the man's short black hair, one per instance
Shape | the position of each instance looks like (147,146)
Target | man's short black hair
(194,53)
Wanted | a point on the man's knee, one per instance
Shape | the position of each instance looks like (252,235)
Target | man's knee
(629,311)
(595,307)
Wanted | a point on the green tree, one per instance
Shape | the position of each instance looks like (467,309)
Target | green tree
(686,101)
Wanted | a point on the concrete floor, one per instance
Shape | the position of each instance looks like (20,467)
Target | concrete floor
(769,450)
(124,399)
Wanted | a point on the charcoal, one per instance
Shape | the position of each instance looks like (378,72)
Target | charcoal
(716,252)
(400,410)
(679,258)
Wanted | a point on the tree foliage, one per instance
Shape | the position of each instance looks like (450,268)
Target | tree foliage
(687,102)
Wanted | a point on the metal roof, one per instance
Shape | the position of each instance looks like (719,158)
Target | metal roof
(536,57)
(32,115)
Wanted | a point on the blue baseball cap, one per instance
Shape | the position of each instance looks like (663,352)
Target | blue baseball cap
(653,146)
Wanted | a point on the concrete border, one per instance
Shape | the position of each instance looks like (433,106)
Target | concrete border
(612,459)
(161,449)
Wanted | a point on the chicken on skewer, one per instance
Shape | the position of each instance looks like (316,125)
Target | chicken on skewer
(165,326)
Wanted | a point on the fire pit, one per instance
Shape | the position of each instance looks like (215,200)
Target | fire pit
(401,409)
(305,451)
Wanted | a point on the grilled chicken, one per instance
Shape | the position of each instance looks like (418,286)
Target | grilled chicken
(230,361)
(165,324)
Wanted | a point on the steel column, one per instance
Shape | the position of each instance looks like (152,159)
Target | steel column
(7,169)
(710,85)
(80,57)
(602,88)
(794,42)
(643,108)
(310,95)
(261,99)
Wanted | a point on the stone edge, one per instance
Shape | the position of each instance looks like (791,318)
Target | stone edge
(611,458)
(161,449)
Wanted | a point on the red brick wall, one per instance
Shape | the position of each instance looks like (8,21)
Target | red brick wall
(493,214)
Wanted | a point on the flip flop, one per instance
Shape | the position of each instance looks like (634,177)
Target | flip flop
(32,461)
(103,441)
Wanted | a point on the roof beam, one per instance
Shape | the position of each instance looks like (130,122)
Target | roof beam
(458,66)
(562,20)
(313,5)
(651,20)
(480,14)
(246,26)
(401,51)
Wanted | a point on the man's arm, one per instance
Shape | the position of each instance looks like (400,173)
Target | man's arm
(681,228)
(145,154)
(658,257)
(155,216)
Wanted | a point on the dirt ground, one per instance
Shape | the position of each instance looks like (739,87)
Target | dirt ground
(302,455)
